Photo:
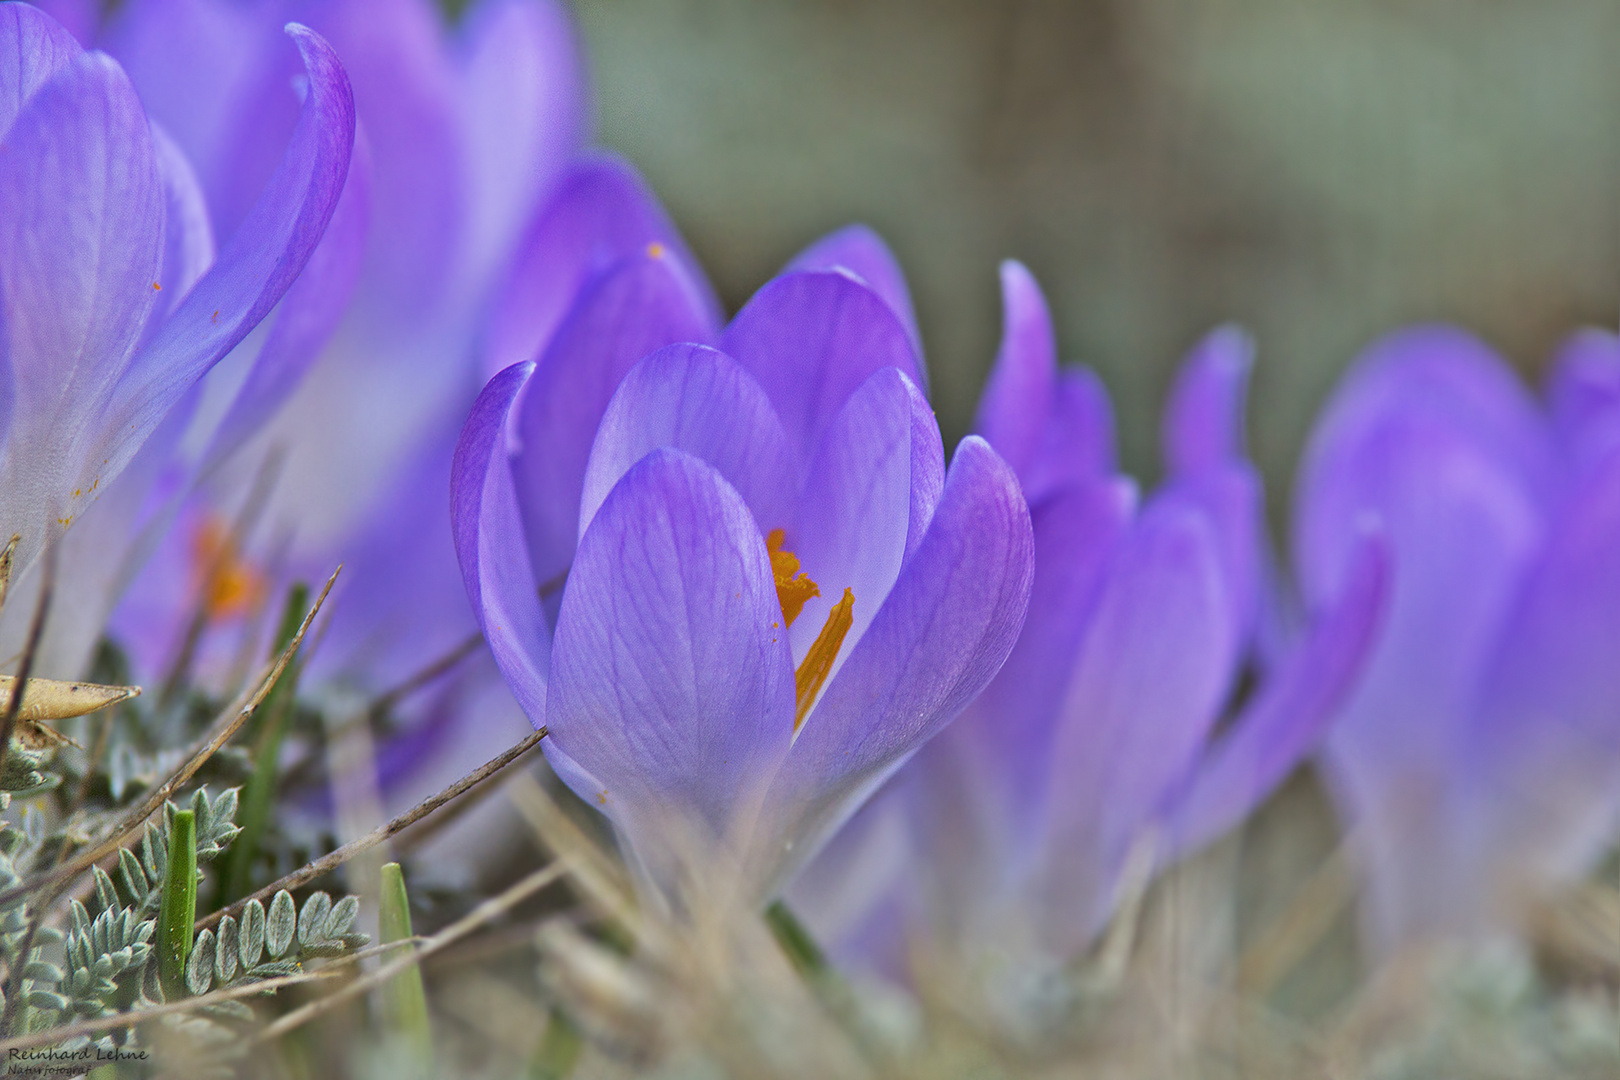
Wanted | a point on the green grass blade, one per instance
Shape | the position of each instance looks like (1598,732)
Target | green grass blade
(403,998)
(179,906)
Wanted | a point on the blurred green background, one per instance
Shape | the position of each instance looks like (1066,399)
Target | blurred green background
(1320,170)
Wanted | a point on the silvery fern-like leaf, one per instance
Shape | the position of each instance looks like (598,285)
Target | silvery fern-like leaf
(154,853)
(44,999)
(225,806)
(339,922)
(200,964)
(201,811)
(229,1010)
(312,920)
(40,971)
(227,954)
(280,925)
(275,969)
(252,934)
(151,985)
(129,868)
(325,950)
(106,893)
(76,953)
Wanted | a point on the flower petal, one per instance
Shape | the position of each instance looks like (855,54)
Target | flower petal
(945,629)
(859,250)
(987,827)
(1077,446)
(308,316)
(524,105)
(671,680)
(1232,495)
(33,47)
(81,240)
(1583,392)
(1462,529)
(1434,438)
(1426,376)
(491,547)
(256,267)
(811,338)
(1076,536)
(217,78)
(1203,450)
(1291,712)
(405,93)
(600,214)
(1203,423)
(188,241)
(1545,754)
(693,398)
(647,302)
(1152,670)
(868,497)
(1019,397)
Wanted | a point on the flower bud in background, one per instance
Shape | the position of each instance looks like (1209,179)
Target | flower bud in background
(344,457)
(1119,727)
(116,303)
(1477,763)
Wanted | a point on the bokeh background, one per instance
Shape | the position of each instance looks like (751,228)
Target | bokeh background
(1319,170)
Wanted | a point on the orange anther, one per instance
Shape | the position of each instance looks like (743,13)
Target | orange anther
(818,662)
(793,589)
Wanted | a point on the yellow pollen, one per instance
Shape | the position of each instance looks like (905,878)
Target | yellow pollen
(808,680)
(228,583)
(156,287)
(793,588)
(655,250)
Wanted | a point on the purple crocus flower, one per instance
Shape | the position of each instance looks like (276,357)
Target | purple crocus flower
(1102,733)
(112,301)
(767,589)
(466,133)
(1478,760)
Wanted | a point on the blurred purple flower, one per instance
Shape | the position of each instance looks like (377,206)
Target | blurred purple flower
(1104,730)
(736,583)
(465,134)
(112,301)
(1478,759)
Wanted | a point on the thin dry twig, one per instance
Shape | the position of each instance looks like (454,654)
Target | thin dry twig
(484,913)
(223,730)
(326,863)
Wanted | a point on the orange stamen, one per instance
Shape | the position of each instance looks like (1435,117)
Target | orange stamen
(817,665)
(793,589)
(229,584)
